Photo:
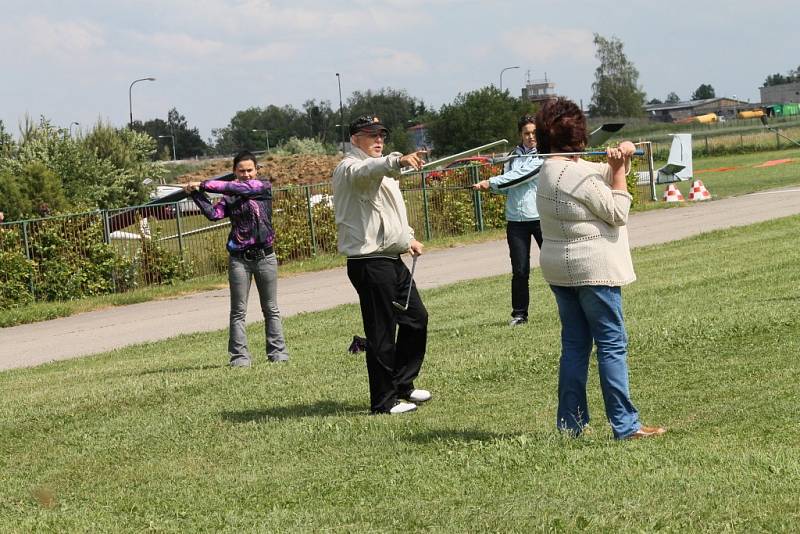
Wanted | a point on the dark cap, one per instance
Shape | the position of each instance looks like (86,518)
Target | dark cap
(367,123)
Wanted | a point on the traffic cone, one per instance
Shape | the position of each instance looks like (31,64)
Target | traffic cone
(672,194)
(699,191)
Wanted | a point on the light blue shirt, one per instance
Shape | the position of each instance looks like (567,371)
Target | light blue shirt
(519,183)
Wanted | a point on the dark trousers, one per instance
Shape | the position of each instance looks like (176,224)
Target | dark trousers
(519,235)
(392,365)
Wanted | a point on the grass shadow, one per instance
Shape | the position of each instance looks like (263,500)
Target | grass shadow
(178,369)
(463,436)
(470,324)
(295,411)
(787,298)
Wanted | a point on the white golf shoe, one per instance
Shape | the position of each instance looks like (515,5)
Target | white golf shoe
(419,395)
(402,407)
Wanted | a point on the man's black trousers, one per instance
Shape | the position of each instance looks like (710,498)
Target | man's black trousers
(392,365)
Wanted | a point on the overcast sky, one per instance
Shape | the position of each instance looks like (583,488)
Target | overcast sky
(73,60)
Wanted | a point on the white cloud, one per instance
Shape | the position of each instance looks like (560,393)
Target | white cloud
(542,44)
(185,45)
(385,61)
(270,52)
(42,36)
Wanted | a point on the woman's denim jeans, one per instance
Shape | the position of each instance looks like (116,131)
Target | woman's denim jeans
(241,271)
(593,313)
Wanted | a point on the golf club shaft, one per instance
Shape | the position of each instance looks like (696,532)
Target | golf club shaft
(411,281)
(449,159)
(566,154)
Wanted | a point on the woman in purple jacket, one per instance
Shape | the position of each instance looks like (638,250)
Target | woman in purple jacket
(247,201)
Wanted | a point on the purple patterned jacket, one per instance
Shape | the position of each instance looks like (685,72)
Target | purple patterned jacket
(249,206)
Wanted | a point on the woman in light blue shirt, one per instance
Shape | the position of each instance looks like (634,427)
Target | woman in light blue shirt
(519,183)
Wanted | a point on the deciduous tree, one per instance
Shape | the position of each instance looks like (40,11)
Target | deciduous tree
(188,142)
(394,107)
(703,92)
(477,118)
(615,91)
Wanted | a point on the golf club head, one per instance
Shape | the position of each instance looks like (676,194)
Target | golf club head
(410,284)
(399,306)
(599,136)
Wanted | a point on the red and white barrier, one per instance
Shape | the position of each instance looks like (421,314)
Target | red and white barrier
(699,191)
(672,194)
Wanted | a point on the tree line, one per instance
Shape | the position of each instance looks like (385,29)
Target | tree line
(49,170)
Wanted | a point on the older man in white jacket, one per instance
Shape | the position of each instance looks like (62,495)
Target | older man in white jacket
(373,232)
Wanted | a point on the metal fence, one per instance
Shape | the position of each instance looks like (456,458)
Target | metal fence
(721,142)
(106,251)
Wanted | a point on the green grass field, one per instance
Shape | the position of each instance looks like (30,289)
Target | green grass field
(162,437)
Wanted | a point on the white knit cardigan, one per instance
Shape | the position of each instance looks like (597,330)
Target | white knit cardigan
(583,225)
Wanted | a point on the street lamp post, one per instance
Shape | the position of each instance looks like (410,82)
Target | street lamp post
(341,109)
(73,123)
(734,106)
(266,132)
(173,144)
(130,99)
(501,75)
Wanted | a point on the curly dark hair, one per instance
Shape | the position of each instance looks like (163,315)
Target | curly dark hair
(560,127)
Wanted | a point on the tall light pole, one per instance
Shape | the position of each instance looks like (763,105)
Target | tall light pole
(341,109)
(501,75)
(266,132)
(173,144)
(130,91)
(73,123)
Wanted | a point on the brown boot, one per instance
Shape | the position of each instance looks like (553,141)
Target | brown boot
(647,432)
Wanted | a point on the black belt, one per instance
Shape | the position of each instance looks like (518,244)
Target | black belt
(252,254)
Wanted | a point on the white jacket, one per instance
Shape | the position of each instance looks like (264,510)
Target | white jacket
(370,211)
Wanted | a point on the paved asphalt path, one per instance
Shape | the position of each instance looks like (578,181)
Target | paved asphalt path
(103,330)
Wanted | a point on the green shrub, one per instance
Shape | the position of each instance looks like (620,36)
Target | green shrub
(304,146)
(13,202)
(153,264)
(633,188)
(103,170)
(43,188)
(15,270)
(71,259)
(290,220)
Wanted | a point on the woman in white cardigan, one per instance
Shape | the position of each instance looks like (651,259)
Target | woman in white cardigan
(586,259)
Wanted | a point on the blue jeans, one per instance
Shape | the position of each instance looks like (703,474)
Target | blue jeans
(593,314)
(241,272)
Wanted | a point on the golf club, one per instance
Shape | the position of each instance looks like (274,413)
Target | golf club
(410,283)
(538,155)
(770,128)
(449,159)
(599,136)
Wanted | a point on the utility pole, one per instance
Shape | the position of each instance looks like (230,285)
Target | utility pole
(341,109)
